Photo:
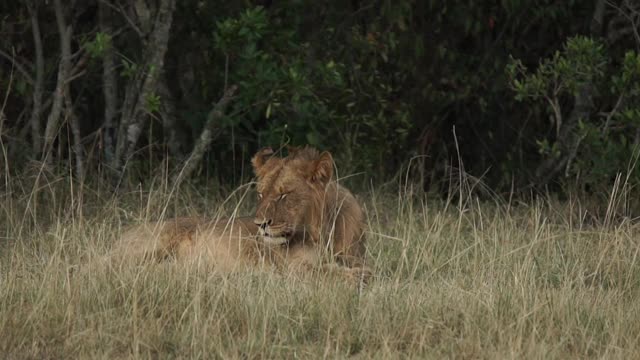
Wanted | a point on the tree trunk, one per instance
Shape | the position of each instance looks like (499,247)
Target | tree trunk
(109,86)
(143,85)
(206,137)
(75,131)
(38,86)
(169,115)
(53,121)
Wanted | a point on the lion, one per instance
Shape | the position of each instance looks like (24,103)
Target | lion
(304,221)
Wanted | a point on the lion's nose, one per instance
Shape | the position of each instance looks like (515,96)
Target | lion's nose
(263,223)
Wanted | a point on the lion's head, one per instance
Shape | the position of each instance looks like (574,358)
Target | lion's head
(291,192)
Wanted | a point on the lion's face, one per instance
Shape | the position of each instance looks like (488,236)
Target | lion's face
(289,191)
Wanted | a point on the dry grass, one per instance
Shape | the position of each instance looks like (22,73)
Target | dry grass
(460,279)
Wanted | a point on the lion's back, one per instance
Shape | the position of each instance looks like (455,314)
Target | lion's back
(156,238)
(223,241)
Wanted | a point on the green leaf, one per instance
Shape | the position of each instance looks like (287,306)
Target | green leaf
(312,138)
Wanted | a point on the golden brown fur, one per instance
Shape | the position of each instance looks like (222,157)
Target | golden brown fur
(300,199)
(302,216)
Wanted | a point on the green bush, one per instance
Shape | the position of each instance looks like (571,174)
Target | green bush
(604,143)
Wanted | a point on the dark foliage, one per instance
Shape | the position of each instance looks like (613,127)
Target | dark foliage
(522,92)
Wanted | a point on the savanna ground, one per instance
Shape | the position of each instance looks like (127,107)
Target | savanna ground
(459,278)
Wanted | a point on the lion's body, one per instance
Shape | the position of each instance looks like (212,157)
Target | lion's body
(225,244)
(303,219)
(338,226)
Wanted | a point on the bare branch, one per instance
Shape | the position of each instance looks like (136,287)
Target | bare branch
(21,69)
(632,15)
(612,113)
(75,76)
(120,10)
(206,137)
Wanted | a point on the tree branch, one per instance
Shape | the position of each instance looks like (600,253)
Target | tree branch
(21,69)
(631,15)
(206,137)
(132,24)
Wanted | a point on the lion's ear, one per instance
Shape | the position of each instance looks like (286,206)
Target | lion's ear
(260,158)
(323,171)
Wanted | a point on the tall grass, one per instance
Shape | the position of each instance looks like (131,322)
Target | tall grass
(457,278)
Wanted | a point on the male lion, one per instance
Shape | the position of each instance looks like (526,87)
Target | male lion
(303,215)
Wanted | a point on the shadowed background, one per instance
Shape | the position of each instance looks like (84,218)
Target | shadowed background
(520,93)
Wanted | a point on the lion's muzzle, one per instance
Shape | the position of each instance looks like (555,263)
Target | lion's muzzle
(269,235)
